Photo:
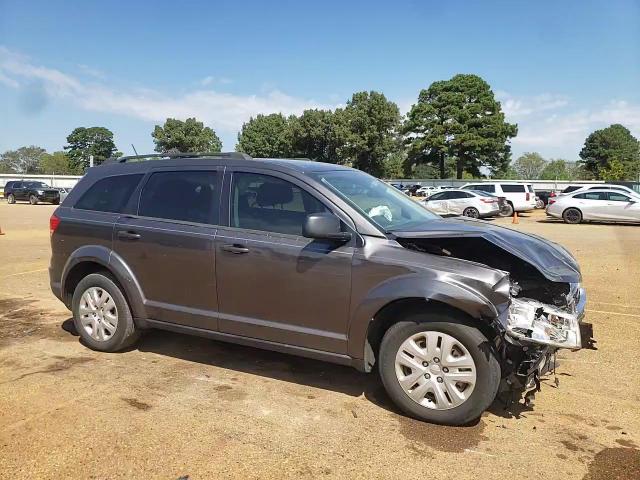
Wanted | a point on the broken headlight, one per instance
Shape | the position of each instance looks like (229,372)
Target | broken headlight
(534,322)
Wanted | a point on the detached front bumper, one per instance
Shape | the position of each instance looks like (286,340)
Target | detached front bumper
(530,321)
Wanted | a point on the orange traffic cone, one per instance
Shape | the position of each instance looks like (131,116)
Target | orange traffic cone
(515,218)
(1,232)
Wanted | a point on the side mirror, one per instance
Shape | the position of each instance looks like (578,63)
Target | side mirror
(324,226)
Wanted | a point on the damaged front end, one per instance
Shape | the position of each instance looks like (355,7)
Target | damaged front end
(545,302)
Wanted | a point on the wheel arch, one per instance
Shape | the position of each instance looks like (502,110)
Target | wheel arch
(378,312)
(95,258)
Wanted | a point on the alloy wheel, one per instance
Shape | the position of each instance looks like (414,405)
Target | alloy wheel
(98,314)
(435,370)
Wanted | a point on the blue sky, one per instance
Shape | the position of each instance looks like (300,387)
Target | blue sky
(560,68)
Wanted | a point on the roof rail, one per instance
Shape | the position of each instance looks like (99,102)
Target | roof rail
(162,156)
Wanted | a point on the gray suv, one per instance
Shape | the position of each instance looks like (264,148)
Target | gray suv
(316,260)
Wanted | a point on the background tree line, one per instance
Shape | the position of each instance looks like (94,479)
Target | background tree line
(456,129)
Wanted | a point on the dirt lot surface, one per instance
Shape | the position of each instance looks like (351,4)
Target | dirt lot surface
(180,406)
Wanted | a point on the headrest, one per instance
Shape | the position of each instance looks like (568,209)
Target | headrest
(270,194)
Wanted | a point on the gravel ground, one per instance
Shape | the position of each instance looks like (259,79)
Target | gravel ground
(180,406)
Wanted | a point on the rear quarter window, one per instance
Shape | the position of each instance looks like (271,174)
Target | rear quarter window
(109,194)
(512,188)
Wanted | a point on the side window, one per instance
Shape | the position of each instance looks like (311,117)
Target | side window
(270,204)
(580,196)
(109,194)
(512,188)
(17,185)
(472,187)
(618,197)
(188,195)
(595,195)
(438,196)
(457,195)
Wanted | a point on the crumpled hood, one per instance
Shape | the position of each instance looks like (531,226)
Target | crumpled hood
(551,259)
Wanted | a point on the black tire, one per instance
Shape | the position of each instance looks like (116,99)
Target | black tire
(11,198)
(572,216)
(33,200)
(506,210)
(471,212)
(125,334)
(487,367)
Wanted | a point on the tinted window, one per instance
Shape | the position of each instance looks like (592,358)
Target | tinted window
(484,188)
(455,195)
(438,196)
(484,194)
(530,188)
(512,188)
(618,197)
(262,202)
(109,194)
(572,188)
(189,196)
(17,185)
(591,196)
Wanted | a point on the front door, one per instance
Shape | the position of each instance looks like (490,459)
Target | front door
(623,207)
(169,245)
(437,203)
(273,283)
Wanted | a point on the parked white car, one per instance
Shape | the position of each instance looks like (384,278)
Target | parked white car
(427,191)
(463,202)
(604,186)
(520,197)
(601,205)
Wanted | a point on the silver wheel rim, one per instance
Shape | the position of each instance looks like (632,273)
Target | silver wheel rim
(98,314)
(572,215)
(471,212)
(435,370)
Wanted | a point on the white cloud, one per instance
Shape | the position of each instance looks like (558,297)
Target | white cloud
(552,125)
(210,80)
(523,106)
(224,111)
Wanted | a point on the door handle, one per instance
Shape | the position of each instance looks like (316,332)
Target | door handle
(235,248)
(126,235)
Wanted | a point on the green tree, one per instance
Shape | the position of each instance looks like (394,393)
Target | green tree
(56,163)
(556,170)
(23,160)
(393,165)
(317,135)
(615,170)
(190,136)
(461,118)
(371,124)
(529,165)
(266,136)
(84,142)
(612,143)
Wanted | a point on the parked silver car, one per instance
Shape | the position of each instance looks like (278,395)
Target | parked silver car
(600,205)
(470,203)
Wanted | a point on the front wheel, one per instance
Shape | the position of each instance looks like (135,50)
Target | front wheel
(11,198)
(33,200)
(439,369)
(572,215)
(101,314)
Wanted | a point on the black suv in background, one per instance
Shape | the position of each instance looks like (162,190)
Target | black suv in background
(317,260)
(31,191)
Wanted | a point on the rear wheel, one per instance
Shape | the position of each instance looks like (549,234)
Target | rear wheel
(11,198)
(101,314)
(572,215)
(471,212)
(437,368)
(33,200)
(506,210)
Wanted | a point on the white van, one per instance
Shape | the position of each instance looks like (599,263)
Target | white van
(520,197)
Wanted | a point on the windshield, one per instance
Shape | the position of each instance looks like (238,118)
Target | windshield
(483,194)
(382,204)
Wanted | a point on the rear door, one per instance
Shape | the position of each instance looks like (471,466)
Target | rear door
(273,283)
(593,205)
(169,244)
(516,193)
(19,191)
(458,201)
